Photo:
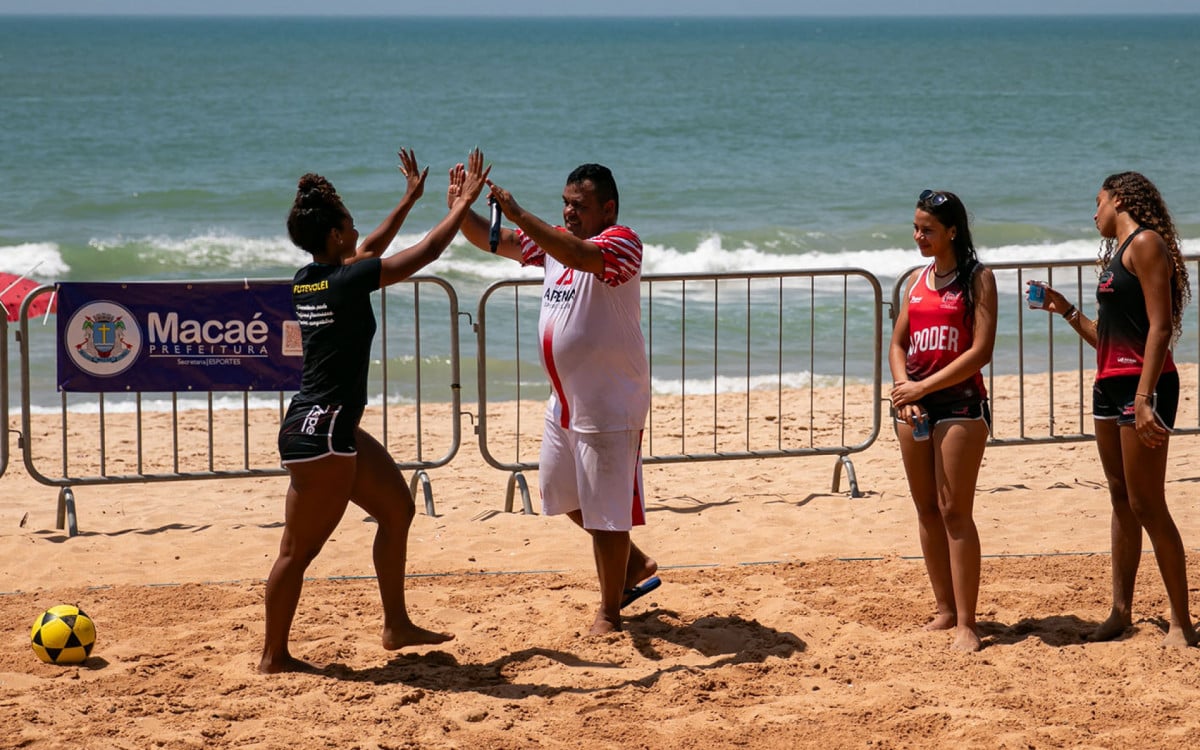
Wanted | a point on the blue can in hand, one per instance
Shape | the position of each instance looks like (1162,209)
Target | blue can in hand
(1036,296)
(920,430)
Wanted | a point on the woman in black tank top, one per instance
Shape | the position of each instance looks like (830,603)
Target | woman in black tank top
(329,462)
(1141,295)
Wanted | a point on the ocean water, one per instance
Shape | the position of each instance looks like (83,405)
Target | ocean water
(140,149)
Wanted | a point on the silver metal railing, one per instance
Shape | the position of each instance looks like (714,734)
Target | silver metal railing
(762,342)
(1055,368)
(765,346)
(96,438)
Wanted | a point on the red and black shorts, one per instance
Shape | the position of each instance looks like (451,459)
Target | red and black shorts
(1112,398)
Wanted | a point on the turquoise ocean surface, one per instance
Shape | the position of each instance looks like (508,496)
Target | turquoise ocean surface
(155,148)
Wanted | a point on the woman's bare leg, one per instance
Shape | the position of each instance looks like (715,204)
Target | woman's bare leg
(958,448)
(919,468)
(1146,472)
(316,501)
(1126,533)
(380,490)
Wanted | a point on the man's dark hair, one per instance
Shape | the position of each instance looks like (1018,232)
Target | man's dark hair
(602,180)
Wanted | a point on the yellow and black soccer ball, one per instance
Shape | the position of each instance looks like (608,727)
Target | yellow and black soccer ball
(63,634)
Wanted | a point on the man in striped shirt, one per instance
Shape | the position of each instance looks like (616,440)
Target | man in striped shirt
(594,355)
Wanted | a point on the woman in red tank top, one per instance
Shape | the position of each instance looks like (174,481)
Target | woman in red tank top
(944,332)
(1141,295)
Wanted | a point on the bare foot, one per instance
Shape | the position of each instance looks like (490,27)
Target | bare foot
(411,635)
(604,625)
(966,639)
(942,621)
(1111,628)
(1177,637)
(639,570)
(287,663)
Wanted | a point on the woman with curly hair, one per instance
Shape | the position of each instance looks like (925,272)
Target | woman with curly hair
(1141,295)
(330,459)
(944,333)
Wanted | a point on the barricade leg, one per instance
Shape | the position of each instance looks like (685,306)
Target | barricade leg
(426,489)
(517,479)
(844,460)
(66,512)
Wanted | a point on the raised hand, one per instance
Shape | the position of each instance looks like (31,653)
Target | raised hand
(458,175)
(474,176)
(414,176)
(462,179)
(508,205)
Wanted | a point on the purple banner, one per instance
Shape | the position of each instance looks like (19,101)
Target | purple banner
(177,336)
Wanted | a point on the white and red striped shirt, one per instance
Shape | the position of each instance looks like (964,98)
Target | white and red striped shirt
(590,329)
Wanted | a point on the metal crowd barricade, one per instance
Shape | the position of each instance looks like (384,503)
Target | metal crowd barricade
(102,439)
(1050,395)
(768,346)
(765,344)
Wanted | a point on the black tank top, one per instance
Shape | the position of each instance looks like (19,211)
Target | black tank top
(1122,325)
(337,325)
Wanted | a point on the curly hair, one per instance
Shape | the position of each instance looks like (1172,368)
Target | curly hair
(949,210)
(1145,205)
(316,211)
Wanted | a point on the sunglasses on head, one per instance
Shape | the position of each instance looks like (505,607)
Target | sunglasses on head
(932,198)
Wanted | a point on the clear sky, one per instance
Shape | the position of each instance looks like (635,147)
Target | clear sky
(604,7)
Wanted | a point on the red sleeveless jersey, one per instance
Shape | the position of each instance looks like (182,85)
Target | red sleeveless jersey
(938,333)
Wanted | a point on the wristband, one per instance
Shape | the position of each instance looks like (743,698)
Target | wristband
(1070,314)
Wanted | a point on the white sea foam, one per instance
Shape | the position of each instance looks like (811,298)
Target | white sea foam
(218,252)
(710,256)
(464,259)
(229,254)
(37,260)
(1073,250)
(208,251)
(735,384)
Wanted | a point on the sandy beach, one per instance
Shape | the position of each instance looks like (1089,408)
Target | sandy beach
(790,615)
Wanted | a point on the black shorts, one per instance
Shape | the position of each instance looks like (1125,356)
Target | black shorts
(1112,398)
(311,431)
(958,411)
(961,411)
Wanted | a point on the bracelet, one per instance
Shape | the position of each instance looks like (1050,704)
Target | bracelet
(1143,395)
(1070,314)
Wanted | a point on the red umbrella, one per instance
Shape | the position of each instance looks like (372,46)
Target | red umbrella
(14,289)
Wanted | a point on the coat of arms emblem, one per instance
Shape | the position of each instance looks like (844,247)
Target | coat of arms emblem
(104,338)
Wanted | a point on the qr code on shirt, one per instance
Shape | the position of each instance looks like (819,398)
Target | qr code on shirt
(293,344)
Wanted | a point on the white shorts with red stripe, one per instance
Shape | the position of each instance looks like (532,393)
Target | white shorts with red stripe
(598,473)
